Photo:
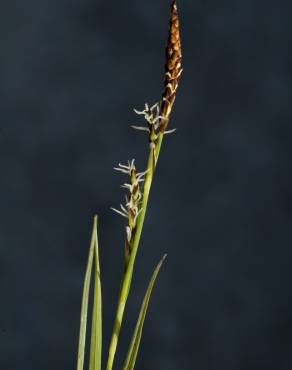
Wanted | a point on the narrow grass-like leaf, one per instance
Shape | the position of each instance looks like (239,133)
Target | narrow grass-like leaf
(135,342)
(85,298)
(96,329)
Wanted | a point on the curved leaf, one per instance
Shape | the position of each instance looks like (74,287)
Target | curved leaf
(85,298)
(135,342)
(96,328)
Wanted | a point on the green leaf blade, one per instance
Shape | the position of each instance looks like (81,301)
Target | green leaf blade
(96,328)
(136,338)
(85,299)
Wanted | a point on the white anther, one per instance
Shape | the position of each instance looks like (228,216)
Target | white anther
(169,131)
(120,212)
(129,233)
(141,128)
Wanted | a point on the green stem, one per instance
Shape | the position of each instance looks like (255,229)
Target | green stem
(127,277)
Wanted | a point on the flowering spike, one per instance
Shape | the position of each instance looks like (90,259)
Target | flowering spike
(173,67)
(131,209)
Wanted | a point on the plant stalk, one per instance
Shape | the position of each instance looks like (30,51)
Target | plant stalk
(172,75)
(127,277)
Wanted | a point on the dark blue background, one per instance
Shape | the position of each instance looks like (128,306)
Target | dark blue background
(221,206)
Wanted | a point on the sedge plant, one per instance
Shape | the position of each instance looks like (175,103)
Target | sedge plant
(138,188)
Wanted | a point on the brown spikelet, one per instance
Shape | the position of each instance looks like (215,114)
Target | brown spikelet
(173,68)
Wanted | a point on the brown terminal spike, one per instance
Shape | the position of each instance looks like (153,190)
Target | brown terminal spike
(173,67)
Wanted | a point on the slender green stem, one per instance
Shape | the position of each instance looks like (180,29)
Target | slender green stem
(127,277)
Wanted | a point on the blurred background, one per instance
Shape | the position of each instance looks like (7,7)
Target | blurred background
(221,202)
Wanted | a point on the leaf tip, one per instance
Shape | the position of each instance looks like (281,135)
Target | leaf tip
(162,260)
(95,220)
